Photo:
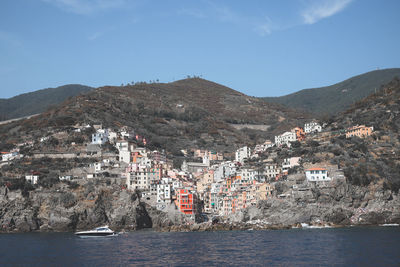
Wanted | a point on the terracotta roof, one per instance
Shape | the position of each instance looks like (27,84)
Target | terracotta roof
(316,169)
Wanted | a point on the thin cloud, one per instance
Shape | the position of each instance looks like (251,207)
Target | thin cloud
(86,7)
(323,9)
(224,13)
(265,28)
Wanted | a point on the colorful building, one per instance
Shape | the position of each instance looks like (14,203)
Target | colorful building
(300,134)
(186,201)
(359,131)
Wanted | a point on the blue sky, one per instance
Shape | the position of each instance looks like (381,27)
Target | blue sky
(259,47)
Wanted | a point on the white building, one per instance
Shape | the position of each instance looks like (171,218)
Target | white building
(96,166)
(312,127)
(33,179)
(242,154)
(225,169)
(285,138)
(164,190)
(112,136)
(122,145)
(263,147)
(247,174)
(100,137)
(290,163)
(317,175)
(125,156)
(272,170)
(65,178)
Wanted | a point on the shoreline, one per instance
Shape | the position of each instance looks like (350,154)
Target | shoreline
(226,227)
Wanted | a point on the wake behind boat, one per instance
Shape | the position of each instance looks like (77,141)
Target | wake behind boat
(97,232)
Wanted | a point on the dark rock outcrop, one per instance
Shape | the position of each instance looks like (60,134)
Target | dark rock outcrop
(61,209)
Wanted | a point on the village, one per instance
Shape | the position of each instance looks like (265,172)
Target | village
(210,185)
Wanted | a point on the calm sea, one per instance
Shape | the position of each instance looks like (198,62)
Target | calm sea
(377,246)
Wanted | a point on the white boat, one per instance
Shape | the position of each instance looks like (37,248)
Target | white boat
(99,231)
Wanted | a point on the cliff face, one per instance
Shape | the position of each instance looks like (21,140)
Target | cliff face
(340,204)
(63,209)
(91,205)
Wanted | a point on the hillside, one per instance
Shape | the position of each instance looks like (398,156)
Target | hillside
(338,97)
(377,157)
(38,101)
(174,116)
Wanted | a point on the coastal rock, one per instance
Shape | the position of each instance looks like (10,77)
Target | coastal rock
(340,204)
(59,209)
(95,204)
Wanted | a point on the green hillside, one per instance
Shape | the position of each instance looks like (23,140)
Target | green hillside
(38,101)
(338,97)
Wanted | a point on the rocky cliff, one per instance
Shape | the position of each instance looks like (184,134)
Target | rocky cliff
(91,205)
(87,206)
(337,204)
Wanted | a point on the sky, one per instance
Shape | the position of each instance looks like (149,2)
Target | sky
(258,47)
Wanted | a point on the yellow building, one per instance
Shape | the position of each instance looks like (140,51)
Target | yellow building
(359,131)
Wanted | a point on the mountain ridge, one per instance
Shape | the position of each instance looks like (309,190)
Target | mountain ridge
(173,116)
(38,101)
(338,97)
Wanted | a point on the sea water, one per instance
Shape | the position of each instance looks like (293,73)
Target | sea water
(353,246)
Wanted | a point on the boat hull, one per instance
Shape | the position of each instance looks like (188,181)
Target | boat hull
(94,234)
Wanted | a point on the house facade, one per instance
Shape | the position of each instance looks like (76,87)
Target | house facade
(285,138)
(360,131)
(100,137)
(186,201)
(317,175)
(312,127)
(300,134)
(32,178)
(242,154)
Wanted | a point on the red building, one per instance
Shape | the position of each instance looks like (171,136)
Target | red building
(185,201)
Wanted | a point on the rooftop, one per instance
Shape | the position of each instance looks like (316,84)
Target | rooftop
(316,169)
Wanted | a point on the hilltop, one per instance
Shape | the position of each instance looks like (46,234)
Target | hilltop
(38,101)
(338,97)
(173,116)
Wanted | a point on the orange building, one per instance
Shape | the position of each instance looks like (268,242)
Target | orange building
(185,201)
(300,134)
(359,131)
